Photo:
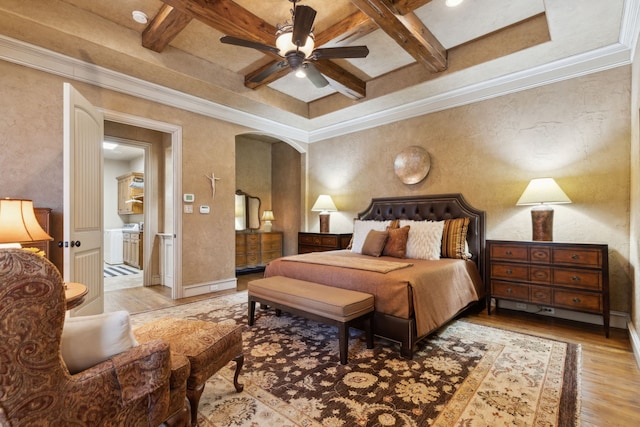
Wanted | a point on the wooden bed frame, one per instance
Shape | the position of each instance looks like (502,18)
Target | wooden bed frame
(420,208)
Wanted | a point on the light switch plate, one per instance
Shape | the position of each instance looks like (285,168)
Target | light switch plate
(188,209)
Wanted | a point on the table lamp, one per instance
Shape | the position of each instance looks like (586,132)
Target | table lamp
(324,205)
(267,217)
(18,223)
(542,192)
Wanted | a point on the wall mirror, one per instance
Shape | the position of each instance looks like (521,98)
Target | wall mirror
(247,212)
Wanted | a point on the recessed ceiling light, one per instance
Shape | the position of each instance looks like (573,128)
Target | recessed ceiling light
(109,145)
(453,3)
(140,17)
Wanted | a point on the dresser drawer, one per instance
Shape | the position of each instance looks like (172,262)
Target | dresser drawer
(509,252)
(253,239)
(271,245)
(509,290)
(269,256)
(252,258)
(309,239)
(509,271)
(540,295)
(583,279)
(578,256)
(582,301)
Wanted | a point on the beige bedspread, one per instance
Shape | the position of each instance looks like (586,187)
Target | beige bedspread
(433,291)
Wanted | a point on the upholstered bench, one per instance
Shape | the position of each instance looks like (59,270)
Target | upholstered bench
(208,346)
(326,304)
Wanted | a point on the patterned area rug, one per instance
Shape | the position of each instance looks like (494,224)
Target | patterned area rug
(465,375)
(119,270)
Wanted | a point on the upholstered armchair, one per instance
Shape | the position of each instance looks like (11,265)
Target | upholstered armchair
(129,389)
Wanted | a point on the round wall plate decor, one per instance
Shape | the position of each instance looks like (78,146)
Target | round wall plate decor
(412,164)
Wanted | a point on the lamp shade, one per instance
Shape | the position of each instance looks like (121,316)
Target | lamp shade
(268,216)
(18,223)
(284,42)
(324,204)
(543,190)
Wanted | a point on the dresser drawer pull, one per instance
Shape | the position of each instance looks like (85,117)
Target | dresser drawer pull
(577,300)
(509,253)
(575,256)
(509,271)
(509,290)
(576,278)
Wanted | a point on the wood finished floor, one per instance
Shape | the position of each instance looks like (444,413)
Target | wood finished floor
(610,382)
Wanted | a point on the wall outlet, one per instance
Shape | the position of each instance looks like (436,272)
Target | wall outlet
(521,306)
(547,310)
(213,288)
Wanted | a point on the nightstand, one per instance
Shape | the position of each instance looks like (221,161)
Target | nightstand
(321,242)
(570,276)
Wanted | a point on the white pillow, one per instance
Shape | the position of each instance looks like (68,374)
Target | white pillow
(425,239)
(361,230)
(89,340)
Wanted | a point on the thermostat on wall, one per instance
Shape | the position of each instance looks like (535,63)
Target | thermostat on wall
(189,198)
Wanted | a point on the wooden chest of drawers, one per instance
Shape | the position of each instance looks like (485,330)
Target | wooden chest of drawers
(571,276)
(321,242)
(257,249)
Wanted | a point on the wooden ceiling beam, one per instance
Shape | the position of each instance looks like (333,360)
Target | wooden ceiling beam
(402,7)
(227,17)
(408,31)
(349,29)
(164,27)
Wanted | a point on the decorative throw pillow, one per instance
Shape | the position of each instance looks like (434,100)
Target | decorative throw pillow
(425,239)
(361,230)
(454,238)
(89,340)
(396,245)
(374,243)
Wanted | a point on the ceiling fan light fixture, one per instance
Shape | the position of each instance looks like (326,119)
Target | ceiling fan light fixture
(284,42)
(140,17)
(301,73)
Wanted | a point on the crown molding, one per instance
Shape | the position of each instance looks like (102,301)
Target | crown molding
(615,55)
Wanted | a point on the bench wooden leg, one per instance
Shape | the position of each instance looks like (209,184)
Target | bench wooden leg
(252,311)
(193,394)
(239,359)
(343,343)
(368,324)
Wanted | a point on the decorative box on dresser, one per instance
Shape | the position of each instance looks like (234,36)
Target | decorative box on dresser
(570,276)
(321,242)
(254,250)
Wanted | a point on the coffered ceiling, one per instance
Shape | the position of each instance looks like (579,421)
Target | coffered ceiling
(422,56)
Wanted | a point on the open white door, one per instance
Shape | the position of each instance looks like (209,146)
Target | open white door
(83,257)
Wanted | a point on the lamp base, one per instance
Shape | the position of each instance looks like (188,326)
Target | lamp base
(268,226)
(542,223)
(324,223)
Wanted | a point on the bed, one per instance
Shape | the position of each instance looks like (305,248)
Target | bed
(413,297)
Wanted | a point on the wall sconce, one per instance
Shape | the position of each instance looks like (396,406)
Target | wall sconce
(324,205)
(18,223)
(542,192)
(267,217)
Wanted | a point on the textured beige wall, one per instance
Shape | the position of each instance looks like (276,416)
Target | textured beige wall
(634,240)
(31,162)
(576,131)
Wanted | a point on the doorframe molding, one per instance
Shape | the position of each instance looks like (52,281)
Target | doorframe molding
(176,147)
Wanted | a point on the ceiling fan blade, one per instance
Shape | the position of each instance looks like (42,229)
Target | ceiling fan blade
(247,43)
(302,24)
(315,76)
(340,52)
(266,73)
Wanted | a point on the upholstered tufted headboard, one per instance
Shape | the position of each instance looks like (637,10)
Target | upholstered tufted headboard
(435,207)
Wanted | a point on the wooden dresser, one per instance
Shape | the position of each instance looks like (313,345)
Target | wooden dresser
(570,276)
(321,242)
(255,250)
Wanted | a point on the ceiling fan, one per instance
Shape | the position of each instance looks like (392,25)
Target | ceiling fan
(295,44)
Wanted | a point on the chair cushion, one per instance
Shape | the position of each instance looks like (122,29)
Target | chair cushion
(89,340)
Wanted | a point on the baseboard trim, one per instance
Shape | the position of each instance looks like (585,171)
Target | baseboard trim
(618,319)
(209,287)
(635,342)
